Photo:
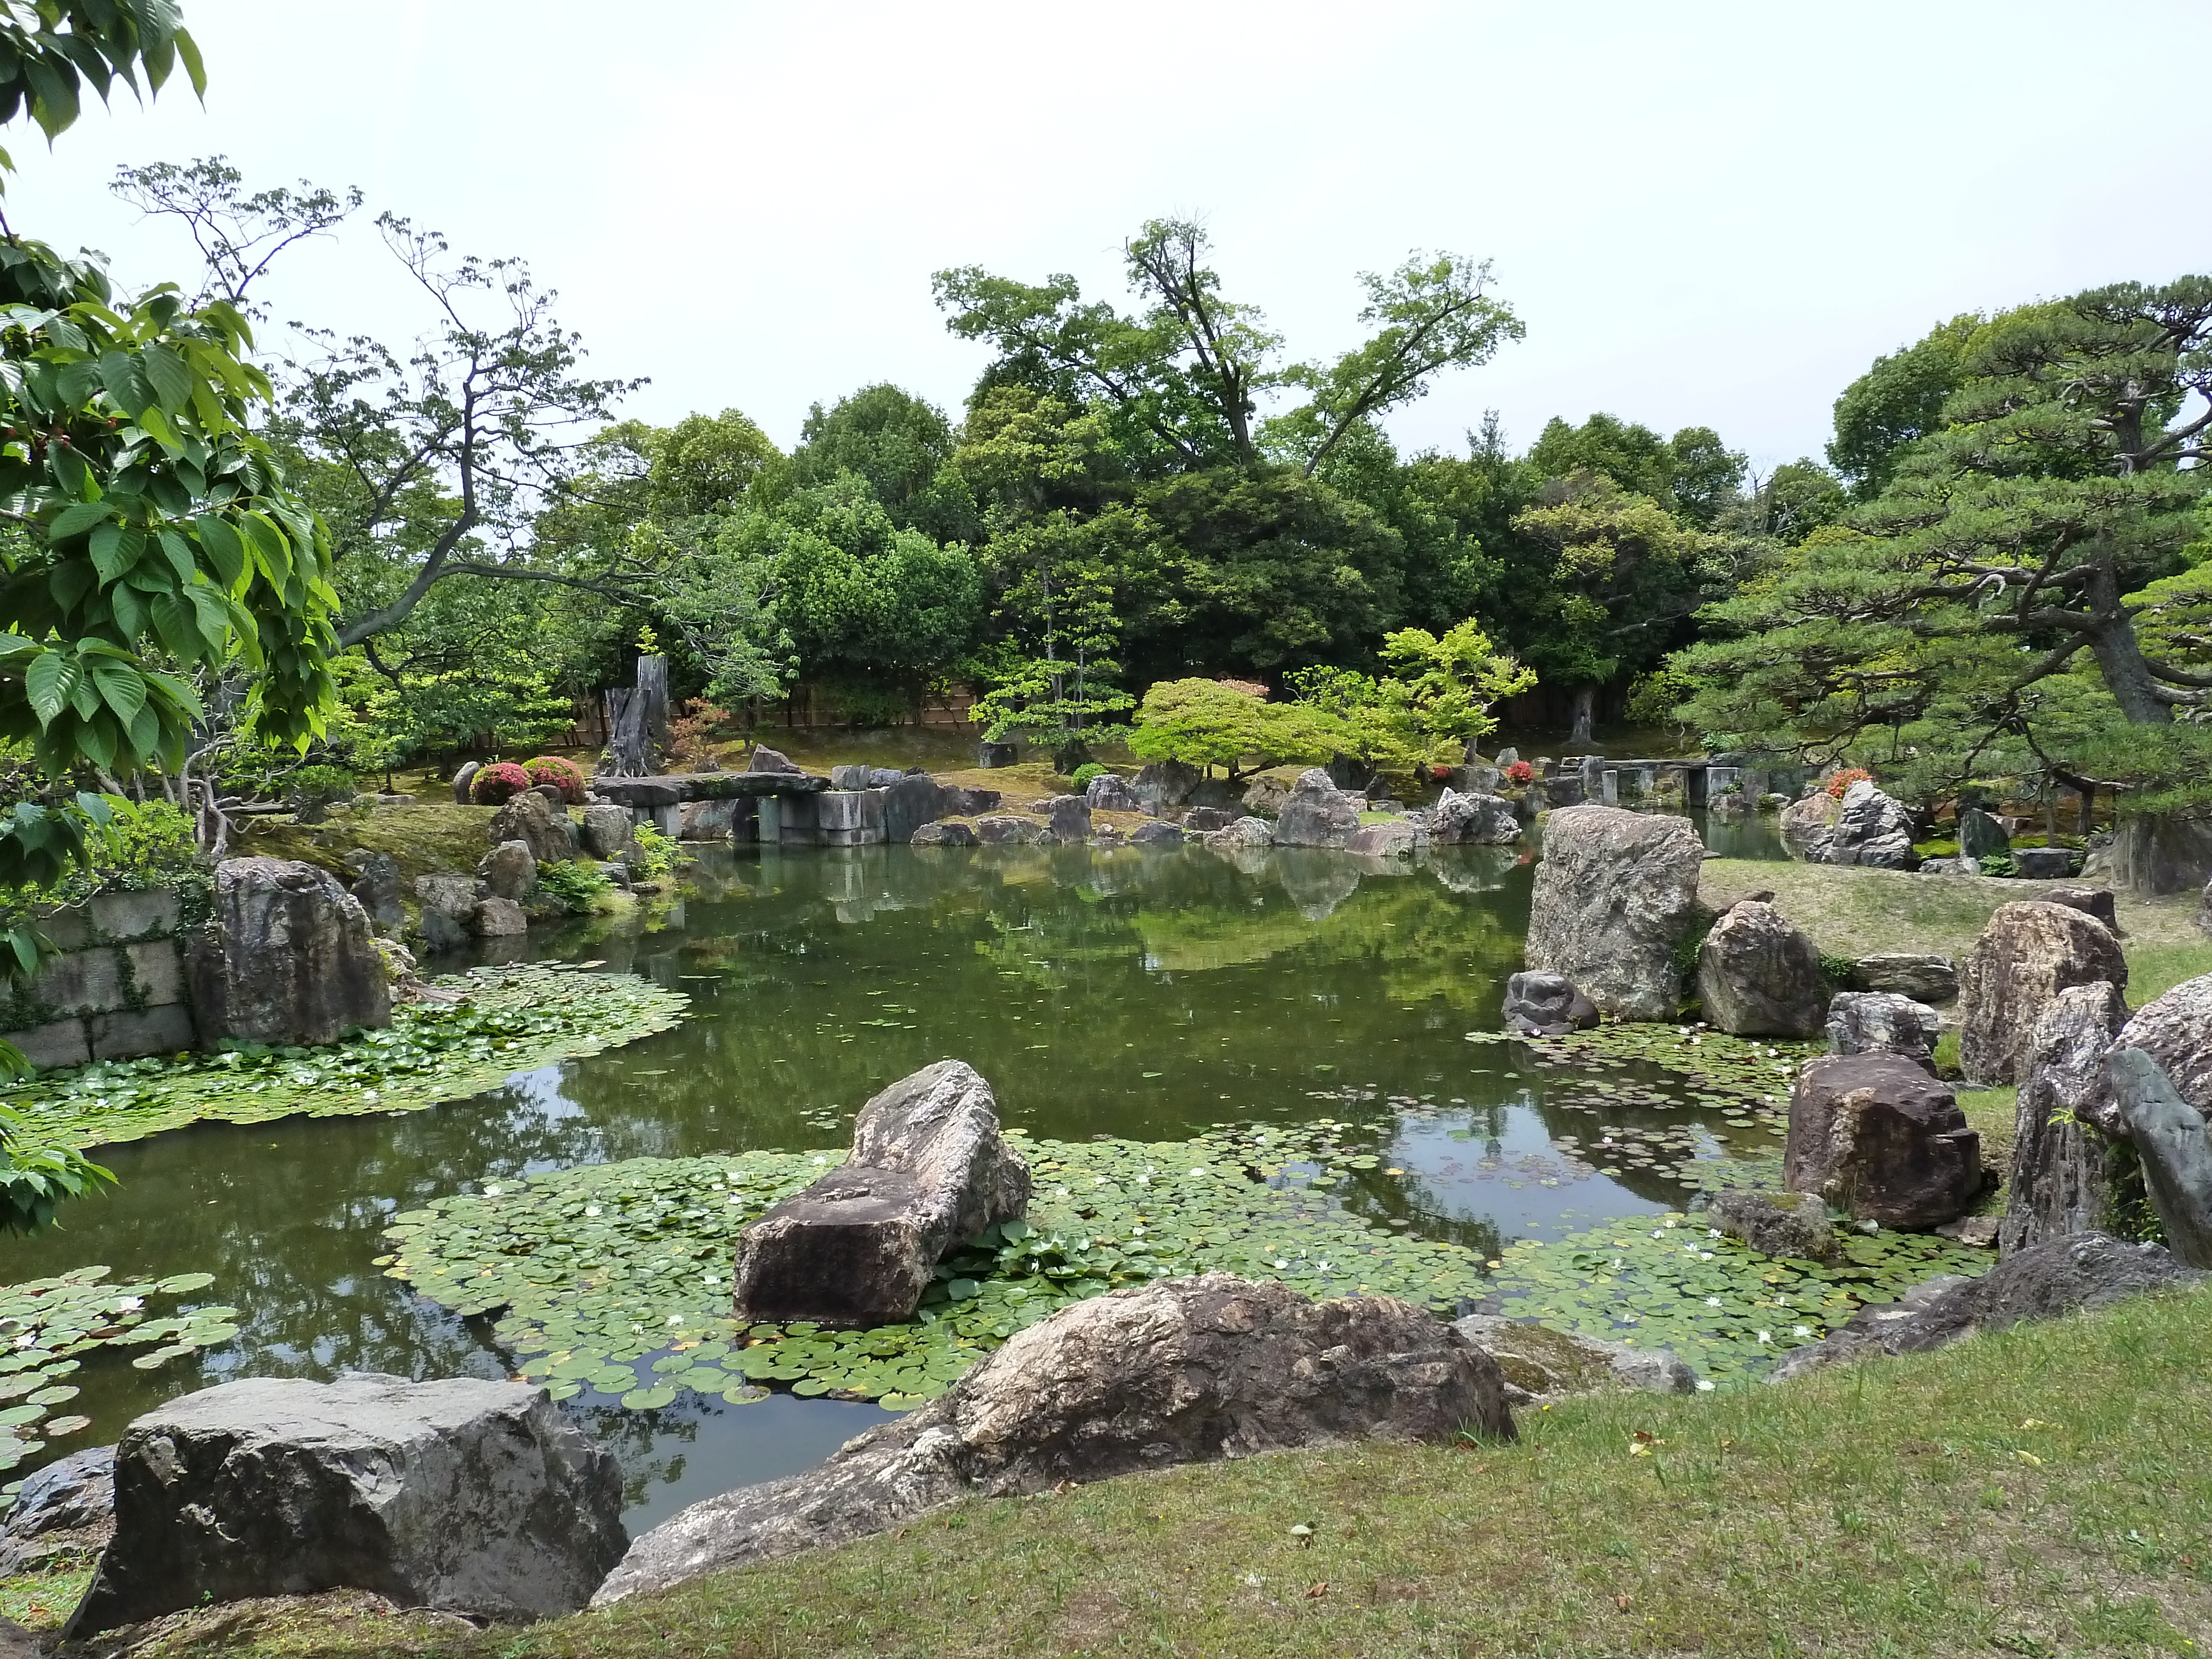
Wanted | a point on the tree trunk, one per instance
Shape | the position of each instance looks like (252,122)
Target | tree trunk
(2119,657)
(639,720)
(1583,733)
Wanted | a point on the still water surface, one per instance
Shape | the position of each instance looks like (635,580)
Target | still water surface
(1145,995)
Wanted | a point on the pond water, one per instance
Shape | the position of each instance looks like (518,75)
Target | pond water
(1103,994)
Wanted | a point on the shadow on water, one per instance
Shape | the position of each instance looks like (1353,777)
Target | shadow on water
(1126,993)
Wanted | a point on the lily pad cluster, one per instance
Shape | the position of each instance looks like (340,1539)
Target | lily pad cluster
(47,1325)
(1752,1069)
(1671,1282)
(477,1029)
(617,1277)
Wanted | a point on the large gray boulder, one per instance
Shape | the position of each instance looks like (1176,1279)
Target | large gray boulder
(765,759)
(1807,825)
(1182,1371)
(2068,1168)
(2175,1146)
(375,883)
(2176,1031)
(1401,838)
(1876,1136)
(463,778)
(1759,976)
(1871,830)
(508,872)
(2099,902)
(2205,909)
(1540,1365)
(1919,974)
(1980,835)
(1005,829)
(944,835)
(448,905)
(2156,852)
(1163,785)
(2029,953)
(470,1496)
(536,822)
(1067,820)
(1109,792)
(1794,1226)
(928,1167)
(1458,820)
(1246,834)
(1615,894)
(287,957)
(1541,1003)
(1883,1023)
(2060,1276)
(64,1511)
(607,830)
(1316,813)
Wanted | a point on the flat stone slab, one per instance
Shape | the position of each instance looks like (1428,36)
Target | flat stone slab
(674,789)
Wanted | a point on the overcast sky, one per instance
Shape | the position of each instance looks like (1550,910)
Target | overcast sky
(1705,213)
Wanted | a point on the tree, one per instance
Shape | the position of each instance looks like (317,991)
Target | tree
(903,445)
(239,235)
(1433,701)
(1184,380)
(1626,573)
(50,48)
(1896,403)
(1992,598)
(1205,723)
(1053,674)
(1692,474)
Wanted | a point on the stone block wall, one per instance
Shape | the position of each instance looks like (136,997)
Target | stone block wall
(113,989)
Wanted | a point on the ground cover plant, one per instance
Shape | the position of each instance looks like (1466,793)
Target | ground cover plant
(502,1020)
(1923,1508)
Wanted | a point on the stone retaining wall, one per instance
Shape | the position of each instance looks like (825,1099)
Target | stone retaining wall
(115,990)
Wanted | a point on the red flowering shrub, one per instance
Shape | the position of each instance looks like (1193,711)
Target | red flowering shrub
(499,783)
(1520,774)
(1844,779)
(564,775)
(1440,773)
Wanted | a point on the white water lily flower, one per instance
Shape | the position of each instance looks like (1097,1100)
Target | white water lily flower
(711,1279)
(821,1160)
(26,1340)
(1198,1168)
(676,1319)
(1712,1232)
(1712,1302)
(130,1303)
(1324,1266)
(591,1209)
(1705,1385)
(1705,1256)
(1767,1336)
(1804,1330)
(491,1191)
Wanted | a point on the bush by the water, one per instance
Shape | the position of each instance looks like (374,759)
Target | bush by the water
(499,783)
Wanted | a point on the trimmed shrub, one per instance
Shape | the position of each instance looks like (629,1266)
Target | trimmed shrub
(499,783)
(1082,776)
(564,775)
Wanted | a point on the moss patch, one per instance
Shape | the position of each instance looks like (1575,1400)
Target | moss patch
(424,840)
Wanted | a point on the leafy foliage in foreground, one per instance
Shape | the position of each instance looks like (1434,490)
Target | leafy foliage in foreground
(48,1324)
(509,1019)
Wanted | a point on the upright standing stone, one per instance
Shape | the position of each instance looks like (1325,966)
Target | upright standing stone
(1067,820)
(607,830)
(2029,953)
(1875,1135)
(1759,976)
(376,884)
(637,723)
(1316,813)
(2068,1168)
(2171,1139)
(1613,897)
(2176,1031)
(858,1248)
(463,778)
(538,824)
(1165,785)
(1873,830)
(287,957)
(474,1497)
(1109,792)
(1980,835)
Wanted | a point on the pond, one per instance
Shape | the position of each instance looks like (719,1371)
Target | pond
(1144,996)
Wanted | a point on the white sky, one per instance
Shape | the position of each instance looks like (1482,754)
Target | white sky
(1706,212)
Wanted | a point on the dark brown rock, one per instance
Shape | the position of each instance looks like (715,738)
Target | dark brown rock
(1759,976)
(1613,897)
(472,1496)
(1876,1136)
(288,957)
(1201,819)
(2059,1276)
(928,1167)
(2028,954)
(2096,901)
(1182,1371)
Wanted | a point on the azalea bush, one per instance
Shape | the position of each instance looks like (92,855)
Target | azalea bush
(1520,774)
(499,783)
(564,775)
(1843,779)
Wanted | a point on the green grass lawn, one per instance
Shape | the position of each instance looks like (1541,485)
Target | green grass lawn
(2046,1490)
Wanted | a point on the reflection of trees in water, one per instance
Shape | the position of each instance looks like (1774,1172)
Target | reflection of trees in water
(646,1444)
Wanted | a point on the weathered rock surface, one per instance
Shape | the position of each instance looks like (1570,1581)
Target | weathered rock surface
(928,1167)
(287,957)
(1184,1371)
(65,1510)
(1809,825)
(1541,1003)
(1793,1225)
(375,883)
(1161,835)
(1980,835)
(2099,902)
(945,835)
(2029,953)
(1003,829)
(606,830)
(536,822)
(2175,1146)
(1398,840)
(2042,863)
(1165,785)
(1458,820)
(1759,976)
(1876,1136)
(1923,977)
(1540,1365)
(2060,1276)
(1262,796)
(960,800)
(1613,897)
(448,906)
(1316,813)
(2067,1167)
(471,1495)
(1109,792)
(1246,833)
(463,778)
(508,870)
(2156,853)
(2204,910)
(1067,820)
(1201,819)
(1882,1023)
(1873,830)
(765,759)
(2176,1031)
(498,918)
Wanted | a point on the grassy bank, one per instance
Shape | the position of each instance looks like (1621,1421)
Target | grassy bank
(2047,1491)
(1850,912)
